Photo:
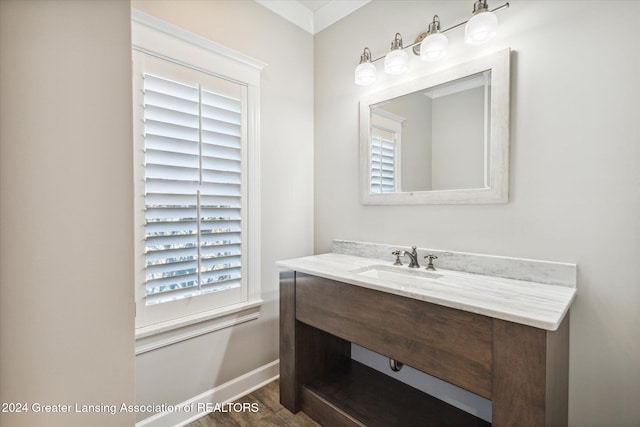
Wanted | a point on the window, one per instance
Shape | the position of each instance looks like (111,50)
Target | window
(384,162)
(197,185)
(193,189)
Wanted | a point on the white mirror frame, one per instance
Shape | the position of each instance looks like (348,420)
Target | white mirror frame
(498,190)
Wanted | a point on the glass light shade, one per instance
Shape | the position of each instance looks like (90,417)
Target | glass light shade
(481,28)
(365,74)
(396,62)
(434,47)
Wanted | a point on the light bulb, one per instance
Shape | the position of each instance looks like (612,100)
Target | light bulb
(365,74)
(434,47)
(435,44)
(481,27)
(396,61)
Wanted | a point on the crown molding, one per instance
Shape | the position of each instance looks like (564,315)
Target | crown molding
(309,21)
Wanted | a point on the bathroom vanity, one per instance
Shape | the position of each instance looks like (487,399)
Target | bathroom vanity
(502,338)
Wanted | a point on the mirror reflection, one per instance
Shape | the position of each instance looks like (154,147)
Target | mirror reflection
(432,139)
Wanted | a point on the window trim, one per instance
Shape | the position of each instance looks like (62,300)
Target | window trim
(160,39)
(156,336)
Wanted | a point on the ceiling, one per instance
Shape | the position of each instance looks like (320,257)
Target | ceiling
(314,5)
(313,16)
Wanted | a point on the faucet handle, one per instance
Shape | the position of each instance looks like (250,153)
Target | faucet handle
(431,258)
(397,254)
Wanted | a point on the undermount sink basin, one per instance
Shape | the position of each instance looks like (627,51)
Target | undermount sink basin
(401,276)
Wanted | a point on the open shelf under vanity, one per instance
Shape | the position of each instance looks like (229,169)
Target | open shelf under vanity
(358,395)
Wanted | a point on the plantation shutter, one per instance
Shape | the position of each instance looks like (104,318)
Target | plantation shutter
(192,143)
(382,166)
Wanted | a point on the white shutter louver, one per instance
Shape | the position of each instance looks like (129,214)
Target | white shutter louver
(382,164)
(192,157)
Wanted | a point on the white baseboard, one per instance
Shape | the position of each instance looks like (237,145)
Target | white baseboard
(225,393)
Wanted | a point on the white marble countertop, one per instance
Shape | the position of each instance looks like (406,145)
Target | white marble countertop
(529,303)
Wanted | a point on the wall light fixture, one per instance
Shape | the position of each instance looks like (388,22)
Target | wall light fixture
(365,71)
(435,44)
(396,61)
(431,45)
(482,26)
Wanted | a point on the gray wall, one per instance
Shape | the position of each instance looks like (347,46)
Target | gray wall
(575,145)
(458,140)
(286,145)
(66,248)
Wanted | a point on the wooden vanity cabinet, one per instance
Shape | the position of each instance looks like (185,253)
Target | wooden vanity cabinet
(523,370)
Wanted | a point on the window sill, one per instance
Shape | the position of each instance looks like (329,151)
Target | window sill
(150,338)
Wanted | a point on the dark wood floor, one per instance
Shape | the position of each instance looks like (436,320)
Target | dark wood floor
(270,413)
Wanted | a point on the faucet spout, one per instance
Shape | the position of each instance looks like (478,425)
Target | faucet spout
(413,256)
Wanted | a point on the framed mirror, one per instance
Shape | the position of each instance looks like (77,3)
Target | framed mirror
(439,139)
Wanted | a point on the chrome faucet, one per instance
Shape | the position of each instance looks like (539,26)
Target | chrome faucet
(413,255)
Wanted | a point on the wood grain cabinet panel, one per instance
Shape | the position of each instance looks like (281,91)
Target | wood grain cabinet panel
(450,344)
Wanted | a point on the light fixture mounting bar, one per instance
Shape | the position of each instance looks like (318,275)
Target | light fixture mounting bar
(421,36)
